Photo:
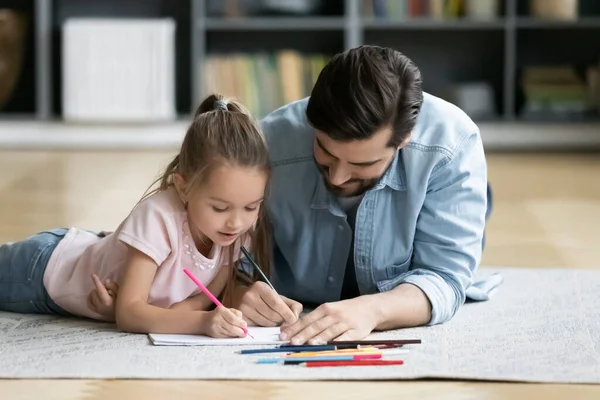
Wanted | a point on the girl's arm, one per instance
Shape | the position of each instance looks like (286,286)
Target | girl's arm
(134,314)
(200,302)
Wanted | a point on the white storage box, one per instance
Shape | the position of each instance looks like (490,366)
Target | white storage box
(118,70)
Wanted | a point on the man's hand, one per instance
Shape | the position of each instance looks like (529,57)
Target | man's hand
(261,306)
(404,306)
(102,298)
(343,320)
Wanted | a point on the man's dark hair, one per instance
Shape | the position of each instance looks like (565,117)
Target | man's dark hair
(364,89)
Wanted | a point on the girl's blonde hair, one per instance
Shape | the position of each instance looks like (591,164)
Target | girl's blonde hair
(224,132)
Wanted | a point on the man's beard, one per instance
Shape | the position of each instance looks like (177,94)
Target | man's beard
(364,184)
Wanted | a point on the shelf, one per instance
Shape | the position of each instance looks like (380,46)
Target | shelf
(537,136)
(26,135)
(17,116)
(274,23)
(570,120)
(539,23)
(435,24)
(504,45)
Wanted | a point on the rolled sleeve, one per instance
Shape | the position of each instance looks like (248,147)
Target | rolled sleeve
(449,231)
(442,293)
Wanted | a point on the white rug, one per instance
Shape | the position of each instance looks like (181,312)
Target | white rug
(540,326)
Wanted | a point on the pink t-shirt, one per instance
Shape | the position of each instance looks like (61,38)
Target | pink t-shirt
(157,227)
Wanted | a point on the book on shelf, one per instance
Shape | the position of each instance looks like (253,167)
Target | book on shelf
(567,10)
(262,81)
(398,10)
(559,92)
(593,83)
(248,8)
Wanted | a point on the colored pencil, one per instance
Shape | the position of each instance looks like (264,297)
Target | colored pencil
(288,350)
(343,346)
(349,352)
(257,268)
(209,294)
(352,363)
(328,358)
(341,352)
(374,342)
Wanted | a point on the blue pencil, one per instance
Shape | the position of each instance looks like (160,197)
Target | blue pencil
(325,347)
(304,359)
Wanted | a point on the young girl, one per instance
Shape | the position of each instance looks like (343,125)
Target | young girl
(207,205)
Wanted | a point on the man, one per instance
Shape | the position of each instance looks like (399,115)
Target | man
(378,202)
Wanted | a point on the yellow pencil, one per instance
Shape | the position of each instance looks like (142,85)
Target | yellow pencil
(345,352)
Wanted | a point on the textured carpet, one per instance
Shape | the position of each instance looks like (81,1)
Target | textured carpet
(540,326)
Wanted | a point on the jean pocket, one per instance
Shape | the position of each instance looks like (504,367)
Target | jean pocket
(19,261)
(38,260)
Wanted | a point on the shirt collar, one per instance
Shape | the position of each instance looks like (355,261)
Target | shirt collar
(394,176)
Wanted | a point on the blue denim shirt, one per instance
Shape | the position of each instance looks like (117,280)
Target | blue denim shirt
(422,224)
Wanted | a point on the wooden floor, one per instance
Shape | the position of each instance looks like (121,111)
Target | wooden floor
(546,215)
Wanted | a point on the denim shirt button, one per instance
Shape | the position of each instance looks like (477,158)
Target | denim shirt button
(341,227)
(331,279)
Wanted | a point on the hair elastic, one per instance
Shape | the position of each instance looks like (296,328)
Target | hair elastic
(221,105)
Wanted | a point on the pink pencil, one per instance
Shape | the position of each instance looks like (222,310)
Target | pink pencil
(208,293)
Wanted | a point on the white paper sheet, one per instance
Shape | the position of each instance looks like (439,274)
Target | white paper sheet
(260,335)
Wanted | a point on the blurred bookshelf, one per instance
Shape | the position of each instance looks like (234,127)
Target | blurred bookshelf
(528,71)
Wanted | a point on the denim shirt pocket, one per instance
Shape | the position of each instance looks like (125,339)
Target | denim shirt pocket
(389,276)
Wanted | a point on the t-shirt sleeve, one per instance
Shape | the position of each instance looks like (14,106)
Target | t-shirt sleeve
(148,229)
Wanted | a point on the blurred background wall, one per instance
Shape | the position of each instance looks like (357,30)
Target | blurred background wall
(105,73)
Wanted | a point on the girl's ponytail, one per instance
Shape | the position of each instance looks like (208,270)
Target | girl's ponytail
(167,178)
(218,102)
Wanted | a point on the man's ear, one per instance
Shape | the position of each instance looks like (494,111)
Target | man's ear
(405,141)
(180,184)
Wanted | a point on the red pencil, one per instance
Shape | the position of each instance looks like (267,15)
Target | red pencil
(352,363)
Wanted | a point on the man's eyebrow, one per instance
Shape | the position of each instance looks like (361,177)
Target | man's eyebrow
(360,164)
(323,148)
(365,163)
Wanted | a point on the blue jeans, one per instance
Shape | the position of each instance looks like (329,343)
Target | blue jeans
(22,267)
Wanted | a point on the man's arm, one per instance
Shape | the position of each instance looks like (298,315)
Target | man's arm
(446,252)
(404,306)
(449,233)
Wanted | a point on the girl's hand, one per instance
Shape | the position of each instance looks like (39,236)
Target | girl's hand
(102,298)
(224,322)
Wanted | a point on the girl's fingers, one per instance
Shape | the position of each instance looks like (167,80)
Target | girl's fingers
(232,331)
(112,287)
(103,295)
(96,301)
(230,316)
(250,322)
(259,320)
(90,302)
(97,283)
